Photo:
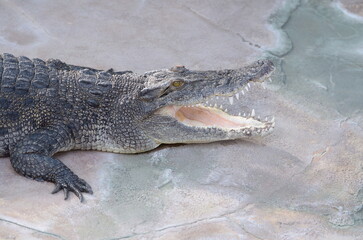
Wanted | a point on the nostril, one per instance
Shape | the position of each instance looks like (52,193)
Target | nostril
(269,63)
(178,68)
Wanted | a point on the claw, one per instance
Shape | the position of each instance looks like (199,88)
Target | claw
(66,193)
(81,198)
(77,193)
(87,188)
(83,186)
(57,188)
(72,184)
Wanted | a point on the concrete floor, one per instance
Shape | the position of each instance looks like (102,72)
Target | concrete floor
(302,182)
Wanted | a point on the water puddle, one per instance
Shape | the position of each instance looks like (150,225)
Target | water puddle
(321,55)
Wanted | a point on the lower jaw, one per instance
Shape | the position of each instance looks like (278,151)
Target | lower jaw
(208,135)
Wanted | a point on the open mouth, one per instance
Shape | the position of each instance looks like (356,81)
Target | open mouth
(208,115)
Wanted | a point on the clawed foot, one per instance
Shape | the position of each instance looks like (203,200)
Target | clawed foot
(74,184)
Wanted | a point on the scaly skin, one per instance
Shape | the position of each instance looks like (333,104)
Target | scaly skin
(48,107)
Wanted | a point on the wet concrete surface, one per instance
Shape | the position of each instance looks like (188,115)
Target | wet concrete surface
(304,181)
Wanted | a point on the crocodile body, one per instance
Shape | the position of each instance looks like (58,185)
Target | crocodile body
(50,106)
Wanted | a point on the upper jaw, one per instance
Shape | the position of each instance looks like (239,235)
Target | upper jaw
(243,80)
(232,82)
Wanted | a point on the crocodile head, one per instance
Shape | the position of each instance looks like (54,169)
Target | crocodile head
(179,104)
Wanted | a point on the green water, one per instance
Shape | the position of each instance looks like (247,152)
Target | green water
(321,55)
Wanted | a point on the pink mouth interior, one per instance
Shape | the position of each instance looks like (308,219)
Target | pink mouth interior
(208,117)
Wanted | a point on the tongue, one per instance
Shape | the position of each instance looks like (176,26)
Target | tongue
(206,117)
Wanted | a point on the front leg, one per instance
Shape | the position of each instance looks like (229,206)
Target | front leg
(31,157)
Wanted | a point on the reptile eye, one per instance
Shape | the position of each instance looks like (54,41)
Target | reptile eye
(178,83)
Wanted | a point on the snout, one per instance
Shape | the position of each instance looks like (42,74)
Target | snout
(262,69)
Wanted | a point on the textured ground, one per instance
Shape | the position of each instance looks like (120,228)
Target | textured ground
(302,182)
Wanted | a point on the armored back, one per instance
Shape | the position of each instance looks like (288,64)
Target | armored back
(21,76)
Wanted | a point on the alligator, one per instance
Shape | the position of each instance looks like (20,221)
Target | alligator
(50,106)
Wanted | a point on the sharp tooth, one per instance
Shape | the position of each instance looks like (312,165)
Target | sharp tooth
(215,105)
(217,97)
(231,100)
(259,117)
(239,114)
(243,93)
(253,113)
(273,119)
(269,79)
(246,88)
(244,114)
(237,96)
(226,110)
(266,119)
(221,107)
(249,85)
